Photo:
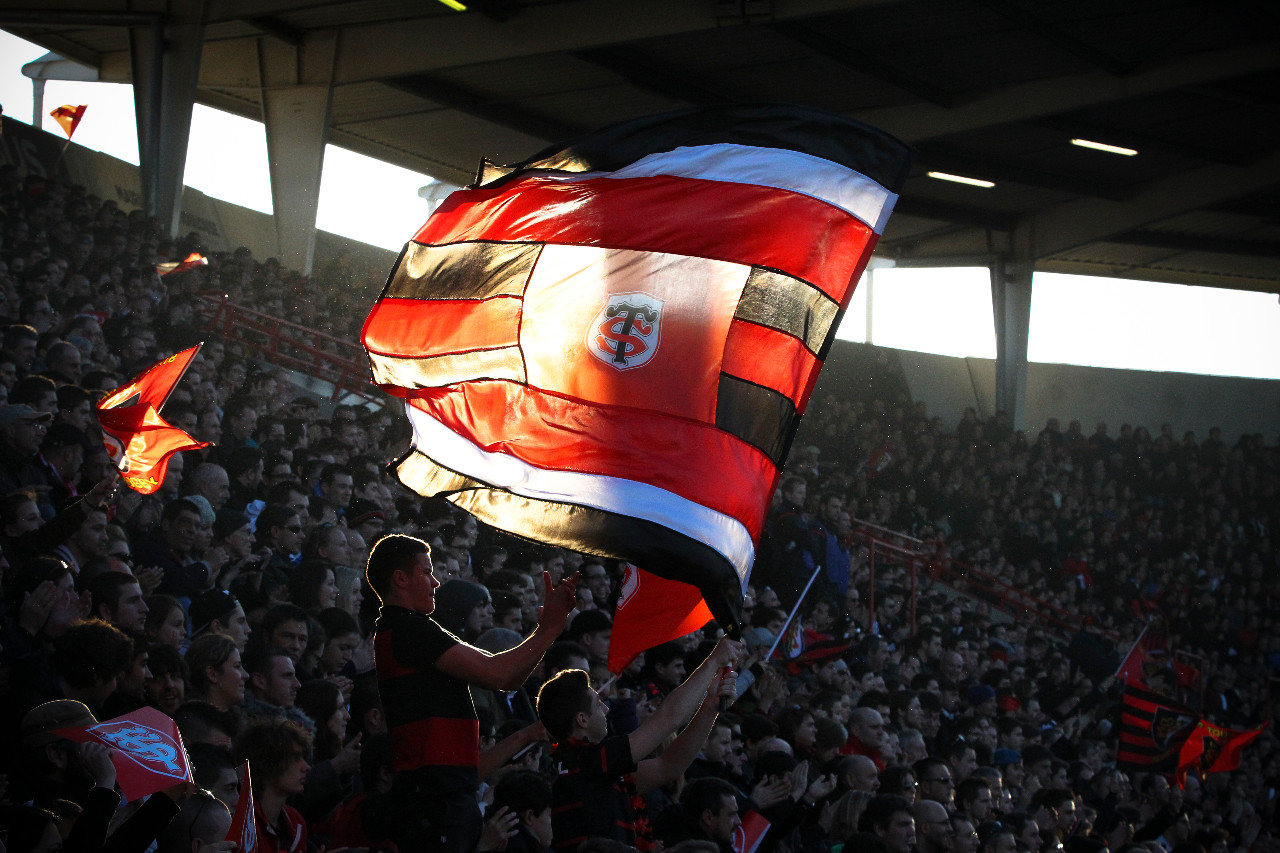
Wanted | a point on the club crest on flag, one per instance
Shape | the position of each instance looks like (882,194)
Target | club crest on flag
(1167,725)
(626,332)
(630,584)
(152,749)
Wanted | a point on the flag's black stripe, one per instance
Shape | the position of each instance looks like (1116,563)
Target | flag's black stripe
(858,146)
(789,305)
(438,371)
(658,549)
(759,416)
(473,270)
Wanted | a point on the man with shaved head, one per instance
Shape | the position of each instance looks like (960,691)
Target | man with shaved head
(866,735)
(933,827)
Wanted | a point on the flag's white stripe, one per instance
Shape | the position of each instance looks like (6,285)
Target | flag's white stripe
(779,168)
(721,532)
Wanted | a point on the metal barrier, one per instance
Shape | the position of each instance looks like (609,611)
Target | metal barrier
(965,579)
(333,360)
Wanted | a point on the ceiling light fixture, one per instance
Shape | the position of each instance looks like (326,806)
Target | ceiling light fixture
(961,179)
(455,5)
(1102,146)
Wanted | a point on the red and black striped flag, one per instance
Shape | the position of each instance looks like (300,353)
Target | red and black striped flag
(609,346)
(1153,729)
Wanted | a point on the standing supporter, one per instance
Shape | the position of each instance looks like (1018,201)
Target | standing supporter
(285,625)
(217,675)
(22,429)
(423,675)
(117,599)
(277,751)
(166,622)
(272,689)
(217,611)
(172,549)
(166,688)
(601,777)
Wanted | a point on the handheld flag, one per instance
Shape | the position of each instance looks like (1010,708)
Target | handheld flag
(193,260)
(652,610)
(146,749)
(1213,749)
(68,117)
(609,346)
(750,833)
(139,441)
(244,829)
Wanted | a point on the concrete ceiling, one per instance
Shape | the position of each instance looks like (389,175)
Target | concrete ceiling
(992,89)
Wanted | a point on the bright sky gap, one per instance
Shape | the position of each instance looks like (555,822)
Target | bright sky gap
(1080,320)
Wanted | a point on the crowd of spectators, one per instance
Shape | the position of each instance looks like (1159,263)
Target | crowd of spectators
(234,600)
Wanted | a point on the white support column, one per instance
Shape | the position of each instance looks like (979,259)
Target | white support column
(1011,302)
(165,59)
(297,92)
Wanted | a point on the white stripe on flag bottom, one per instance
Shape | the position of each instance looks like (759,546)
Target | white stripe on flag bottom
(718,531)
(779,168)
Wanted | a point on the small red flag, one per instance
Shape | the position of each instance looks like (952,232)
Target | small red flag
(244,830)
(138,439)
(146,749)
(1213,749)
(69,117)
(193,260)
(749,834)
(652,610)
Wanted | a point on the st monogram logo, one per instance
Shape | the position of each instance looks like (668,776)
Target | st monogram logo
(626,332)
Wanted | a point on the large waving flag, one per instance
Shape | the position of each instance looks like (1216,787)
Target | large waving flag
(139,441)
(609,346)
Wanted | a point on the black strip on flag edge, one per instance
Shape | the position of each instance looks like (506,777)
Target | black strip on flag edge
(803,339)
(722,591)
(847,142)
(521,248)
(729,416)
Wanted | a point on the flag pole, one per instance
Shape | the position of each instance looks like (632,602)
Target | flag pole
(794,611)
(1124,661)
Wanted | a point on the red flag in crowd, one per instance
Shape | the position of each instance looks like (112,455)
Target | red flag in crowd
(1213,749)
(244,829)
(193,260)
(139,441)
(1131,669)
(609,346)
(68,117)
(146,750)
(1152,730)
(651,611)
(749,834)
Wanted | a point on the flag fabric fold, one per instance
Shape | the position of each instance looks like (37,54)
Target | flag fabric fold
(1213,749)
(652,610)
(140,441)
(190,262)
(1152,730)
(609,346)
(68,117)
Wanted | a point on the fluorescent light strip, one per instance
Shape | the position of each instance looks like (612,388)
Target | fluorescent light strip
(455,5)
(961,179)
(1102,146)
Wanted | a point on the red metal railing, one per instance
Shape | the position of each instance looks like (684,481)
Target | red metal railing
(334,360)
(915,554)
